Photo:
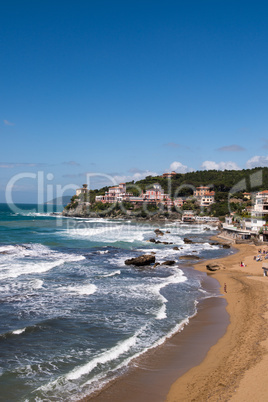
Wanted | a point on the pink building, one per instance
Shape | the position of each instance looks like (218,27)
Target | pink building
(114,194)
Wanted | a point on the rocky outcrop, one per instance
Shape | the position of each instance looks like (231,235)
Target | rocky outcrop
(145,259)
(168,262)
(187,241)
(176,248)
(225,245)
(159,232)
(214,266)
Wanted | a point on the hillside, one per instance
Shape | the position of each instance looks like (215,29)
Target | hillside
(228,185)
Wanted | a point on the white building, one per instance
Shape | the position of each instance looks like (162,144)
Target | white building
(252,224)
(260,207)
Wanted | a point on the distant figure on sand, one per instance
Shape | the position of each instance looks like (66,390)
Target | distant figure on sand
(225,288)
(242,264)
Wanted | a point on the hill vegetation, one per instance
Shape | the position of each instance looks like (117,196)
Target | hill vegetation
(229,186)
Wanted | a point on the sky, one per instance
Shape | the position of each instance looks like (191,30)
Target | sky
(118,90)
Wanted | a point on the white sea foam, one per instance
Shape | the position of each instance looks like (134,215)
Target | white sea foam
(101,380)
(88,289)
(18,331)
(112,354)
(118,272)
(107,233)
(32,259)
(36,284)
(178,277)
(18,269)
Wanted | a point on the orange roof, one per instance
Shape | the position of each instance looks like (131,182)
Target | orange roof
(263,192)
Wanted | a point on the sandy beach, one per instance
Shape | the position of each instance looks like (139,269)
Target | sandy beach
(235,368)
(217,356)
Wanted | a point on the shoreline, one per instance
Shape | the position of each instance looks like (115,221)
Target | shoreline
(214,369)
(150,376)
(179,353)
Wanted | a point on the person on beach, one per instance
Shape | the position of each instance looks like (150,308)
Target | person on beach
(225,288)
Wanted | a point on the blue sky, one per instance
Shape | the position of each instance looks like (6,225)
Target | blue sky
(130,88)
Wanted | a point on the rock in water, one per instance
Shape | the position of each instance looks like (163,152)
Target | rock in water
(187,241)
(145,259)
(158,232)
(189,257)
(168,262)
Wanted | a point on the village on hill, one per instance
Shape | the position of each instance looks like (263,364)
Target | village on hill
(245,219)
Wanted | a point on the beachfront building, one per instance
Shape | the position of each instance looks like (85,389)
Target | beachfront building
(260,207)
(265,232)
(252,224)
(207,219)
(188,216)
(253,229)
(205,197)
(82,190)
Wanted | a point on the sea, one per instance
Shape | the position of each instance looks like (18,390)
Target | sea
(73,316)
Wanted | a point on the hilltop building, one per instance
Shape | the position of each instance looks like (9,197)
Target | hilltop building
(119,194)
(167,175)
(115,194)
(82,190)
(260,207)
(204,196)
(247,196)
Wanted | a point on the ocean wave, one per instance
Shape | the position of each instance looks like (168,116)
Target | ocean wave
(32,259)
(88,289)
(18,331)
(112,354)
(177,277)
(107,234)
(111,274)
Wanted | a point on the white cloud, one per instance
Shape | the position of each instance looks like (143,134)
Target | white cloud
(179,167)
(212,165)
(136,176)
(257,161)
